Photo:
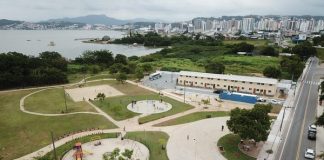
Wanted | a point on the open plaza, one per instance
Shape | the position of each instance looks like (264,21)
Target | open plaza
(153,119)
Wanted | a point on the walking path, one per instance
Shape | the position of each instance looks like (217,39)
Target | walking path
(207,136)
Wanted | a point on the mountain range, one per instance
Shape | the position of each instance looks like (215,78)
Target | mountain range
(101,19)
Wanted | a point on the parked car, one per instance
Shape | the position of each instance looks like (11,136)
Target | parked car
(310,153)
(312,128)
(260,99)
(218,91)
(311,135)
(274,101)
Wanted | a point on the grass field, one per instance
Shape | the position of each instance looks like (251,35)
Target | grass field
(153,141)
(320,53)
(179,63)
(23,133)
(246,65)
(232,152)
(193,117)
(253,42)
(116,107)
(52,101)
(60,151)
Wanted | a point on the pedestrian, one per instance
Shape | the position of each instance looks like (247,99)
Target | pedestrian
(187,137)
(222,127)
(124,128)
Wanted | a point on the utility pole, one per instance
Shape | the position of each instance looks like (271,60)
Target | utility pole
(65,99)
(184,93)
(283,117)
(54,150)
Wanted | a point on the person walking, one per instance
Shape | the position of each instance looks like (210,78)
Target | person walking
(222,127)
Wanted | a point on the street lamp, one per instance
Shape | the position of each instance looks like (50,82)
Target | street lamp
(65,99)
(283,117)
(54,150)
(195,148)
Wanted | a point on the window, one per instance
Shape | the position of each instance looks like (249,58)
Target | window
(243,81)
(269,91)
(231,86)
(232,80)
(202,77)
(180,81)
(257,90)
(261,90)
(217,85)
(242,87)
(235,81)
(251,83)
(270,84)
(201,83)
(218,79)
(195,82)
(225,79)
(258,83)
(262,83)
(250,89)
(211,78)
(224,85)
(196,77)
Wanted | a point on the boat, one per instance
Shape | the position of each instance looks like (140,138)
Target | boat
(51,43)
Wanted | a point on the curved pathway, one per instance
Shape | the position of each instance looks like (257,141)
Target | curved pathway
(206,132)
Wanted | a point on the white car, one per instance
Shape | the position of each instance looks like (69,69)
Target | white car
(273,101)
(312,128)
(310,153)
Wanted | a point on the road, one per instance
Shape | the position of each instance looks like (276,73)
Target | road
(295,141)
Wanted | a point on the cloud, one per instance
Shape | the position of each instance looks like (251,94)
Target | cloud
(172,10)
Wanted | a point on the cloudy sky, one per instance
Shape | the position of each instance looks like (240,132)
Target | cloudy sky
(170,10)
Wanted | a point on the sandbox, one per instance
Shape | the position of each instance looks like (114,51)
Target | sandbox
(85,93)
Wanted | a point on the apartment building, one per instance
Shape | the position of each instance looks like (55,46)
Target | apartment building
(244,84)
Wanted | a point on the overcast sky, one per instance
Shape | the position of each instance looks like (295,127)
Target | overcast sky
(170,10)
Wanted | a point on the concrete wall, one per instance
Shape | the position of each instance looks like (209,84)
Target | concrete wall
(237,86)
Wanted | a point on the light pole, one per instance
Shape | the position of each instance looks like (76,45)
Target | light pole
(54,150)
(65,99)
(184,93)
(195,148)
(283,117)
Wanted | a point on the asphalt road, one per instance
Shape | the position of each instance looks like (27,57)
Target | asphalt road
(296,141)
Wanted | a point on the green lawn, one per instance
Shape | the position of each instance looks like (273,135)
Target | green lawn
(320,53)
(179,63)
(153,141)
(253,42)
(60,151)
(232,152)
(193,117)
(52,101)
(246,65)
(23,133)
(116,107)
(99,76)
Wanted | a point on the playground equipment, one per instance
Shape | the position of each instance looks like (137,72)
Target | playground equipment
(78,153)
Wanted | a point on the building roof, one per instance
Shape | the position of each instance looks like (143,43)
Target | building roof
(231,77)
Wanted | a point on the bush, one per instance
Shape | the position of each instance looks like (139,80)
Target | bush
(216,67)
(272,72)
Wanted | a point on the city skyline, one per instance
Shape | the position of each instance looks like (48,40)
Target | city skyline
(167,10)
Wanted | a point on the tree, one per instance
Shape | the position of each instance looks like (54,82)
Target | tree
(320,120)
(268,51)
(251,124)
(101,96)
(133,58)
(292,65)
(120,58)
(304,50)
(128,153)
(272,72)
(139,73)
(121,77)
(242,47)
(215,67)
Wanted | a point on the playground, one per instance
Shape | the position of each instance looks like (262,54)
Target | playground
(97,149)
(149,106)
(85,93)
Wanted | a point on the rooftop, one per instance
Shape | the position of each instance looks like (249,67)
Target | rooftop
(231,77)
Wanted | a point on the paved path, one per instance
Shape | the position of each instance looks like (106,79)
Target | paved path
(206,131)
(202,142)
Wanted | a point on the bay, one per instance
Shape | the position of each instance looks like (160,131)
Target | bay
(67,42)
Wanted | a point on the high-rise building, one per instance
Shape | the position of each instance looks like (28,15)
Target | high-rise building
(248,24)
